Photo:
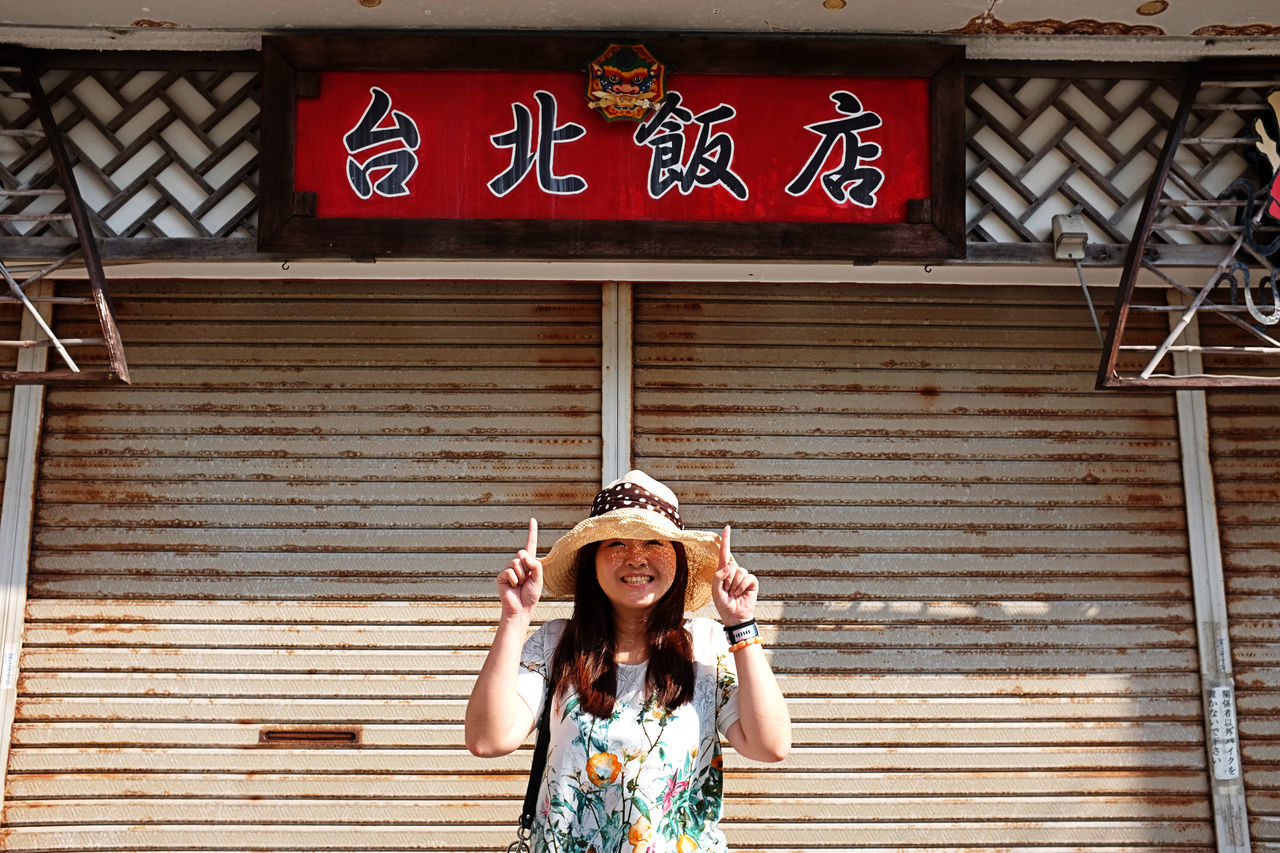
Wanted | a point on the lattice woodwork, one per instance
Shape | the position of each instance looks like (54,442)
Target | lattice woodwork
(1041,146)
(157,153)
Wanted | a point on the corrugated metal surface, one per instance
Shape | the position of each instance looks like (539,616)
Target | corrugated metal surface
(1244,431)
(974,566)
(263,576)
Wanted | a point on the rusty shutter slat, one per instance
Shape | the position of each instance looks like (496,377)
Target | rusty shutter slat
(975,571)
(1244,432)
(291,523)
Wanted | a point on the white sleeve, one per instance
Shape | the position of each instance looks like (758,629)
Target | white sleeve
(535,665)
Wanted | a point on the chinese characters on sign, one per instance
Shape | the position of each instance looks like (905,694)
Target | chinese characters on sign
(486,145)
(708,164)
(524,155)
(849,181)
(394,166)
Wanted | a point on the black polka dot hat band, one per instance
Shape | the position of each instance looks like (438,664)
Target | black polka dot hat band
(635,507)
(626,494)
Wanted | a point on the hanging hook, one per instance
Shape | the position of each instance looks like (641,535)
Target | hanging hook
(285,266)
(928,268)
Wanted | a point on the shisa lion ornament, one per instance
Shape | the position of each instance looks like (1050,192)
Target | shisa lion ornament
(625,82)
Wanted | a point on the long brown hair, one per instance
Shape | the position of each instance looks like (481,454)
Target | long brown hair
(584,659)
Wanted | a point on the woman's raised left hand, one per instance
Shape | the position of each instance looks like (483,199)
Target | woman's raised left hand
(734,588)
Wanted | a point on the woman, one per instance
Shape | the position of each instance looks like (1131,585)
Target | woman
(641,695)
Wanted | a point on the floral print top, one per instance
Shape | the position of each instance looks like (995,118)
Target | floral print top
(643,780)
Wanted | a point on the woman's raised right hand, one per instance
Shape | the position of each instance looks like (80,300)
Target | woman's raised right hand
(520,583)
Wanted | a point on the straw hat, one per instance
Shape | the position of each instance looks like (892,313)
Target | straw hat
(635,507)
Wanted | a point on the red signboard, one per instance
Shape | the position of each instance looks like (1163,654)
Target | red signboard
(785,148)
(472,145)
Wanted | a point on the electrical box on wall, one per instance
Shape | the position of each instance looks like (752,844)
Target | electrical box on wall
(1069,237)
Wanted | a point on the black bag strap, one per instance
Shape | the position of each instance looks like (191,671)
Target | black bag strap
(539,761)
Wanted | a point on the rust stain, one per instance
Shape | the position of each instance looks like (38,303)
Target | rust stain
(567,361)
(1141,499)
(1257,493)
(541,497)
(240,454)
(1240,30)
(988,24)
(556,308)
(149,23)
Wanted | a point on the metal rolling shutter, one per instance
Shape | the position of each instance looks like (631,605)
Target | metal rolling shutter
(263,576)
(974,573)
(1244,432)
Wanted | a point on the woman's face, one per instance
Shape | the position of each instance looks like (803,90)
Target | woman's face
(635,573)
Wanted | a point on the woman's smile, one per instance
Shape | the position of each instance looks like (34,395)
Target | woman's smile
(635,573)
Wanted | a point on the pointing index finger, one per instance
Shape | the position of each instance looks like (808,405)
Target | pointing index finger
(531,547)
(725,554)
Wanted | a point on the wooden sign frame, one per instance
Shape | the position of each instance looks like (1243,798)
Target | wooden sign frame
(289,226)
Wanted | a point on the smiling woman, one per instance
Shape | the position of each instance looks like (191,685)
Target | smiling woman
(640,695)
(635,573)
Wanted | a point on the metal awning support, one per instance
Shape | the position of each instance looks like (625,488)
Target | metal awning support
(1178,203)
(1188,315)
(17,200)
(20,294)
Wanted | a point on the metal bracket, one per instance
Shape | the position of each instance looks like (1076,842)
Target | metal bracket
(1237,345)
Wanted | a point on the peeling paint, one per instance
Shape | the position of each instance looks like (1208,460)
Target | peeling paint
(148,23)
(987,24)
(1241,30)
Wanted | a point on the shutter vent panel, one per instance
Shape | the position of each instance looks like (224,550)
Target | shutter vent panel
(973,566)
(263,575)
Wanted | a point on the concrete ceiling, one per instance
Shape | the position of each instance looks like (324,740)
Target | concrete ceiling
(1102,29)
